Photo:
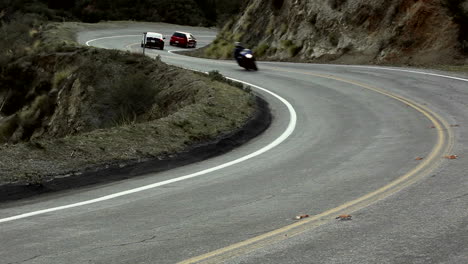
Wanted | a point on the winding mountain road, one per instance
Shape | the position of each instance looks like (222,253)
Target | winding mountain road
(344,140)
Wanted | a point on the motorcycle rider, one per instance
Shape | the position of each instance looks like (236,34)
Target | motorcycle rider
(237,50)
(244,57)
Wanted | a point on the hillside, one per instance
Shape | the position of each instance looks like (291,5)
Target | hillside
(66,109)
(184,12)
(416,32)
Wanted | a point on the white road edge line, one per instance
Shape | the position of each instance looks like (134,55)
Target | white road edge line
(350,66)
(121,36)
(289,130)
(124,36)
(279,140)
(171,51)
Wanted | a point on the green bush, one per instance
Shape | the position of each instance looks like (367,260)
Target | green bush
(222,50)
(8,126)
(283,29)
(286,43)
(261,49)
(188,12)
(123,89)
(16,37)
(133,95)
(60,76)
(216,76)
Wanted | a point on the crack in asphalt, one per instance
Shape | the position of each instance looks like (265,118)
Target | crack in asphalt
(260,199)
(23,261)
(458,197)
(127,244)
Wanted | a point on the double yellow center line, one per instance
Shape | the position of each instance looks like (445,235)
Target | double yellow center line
(443,146)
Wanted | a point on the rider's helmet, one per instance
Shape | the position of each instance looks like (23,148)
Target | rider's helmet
(237,44)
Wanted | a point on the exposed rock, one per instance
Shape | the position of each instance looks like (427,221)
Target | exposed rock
(354,31)
(71,99)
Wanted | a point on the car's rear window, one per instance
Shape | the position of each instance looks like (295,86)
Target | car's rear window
(154,35)
(180,35)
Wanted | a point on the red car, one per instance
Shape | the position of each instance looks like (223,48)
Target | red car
(183,39)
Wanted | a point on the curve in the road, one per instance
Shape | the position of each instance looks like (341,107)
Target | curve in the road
(289,130)
(110,37)
(201,233)
(444,145)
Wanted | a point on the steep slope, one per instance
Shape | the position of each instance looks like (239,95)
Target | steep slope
(71,110)
(185,12)
(351,31)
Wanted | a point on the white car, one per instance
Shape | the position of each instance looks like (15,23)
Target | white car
(153,40)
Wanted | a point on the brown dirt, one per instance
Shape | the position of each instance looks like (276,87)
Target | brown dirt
(66,119)
(398,32)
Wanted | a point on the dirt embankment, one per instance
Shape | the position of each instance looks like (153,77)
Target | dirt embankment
(416,32)
(71,110)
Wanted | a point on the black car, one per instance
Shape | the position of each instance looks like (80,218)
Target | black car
(153,40)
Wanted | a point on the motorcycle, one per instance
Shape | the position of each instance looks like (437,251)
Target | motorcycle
(246,60)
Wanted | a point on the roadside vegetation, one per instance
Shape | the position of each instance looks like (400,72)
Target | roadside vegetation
(396,32)
(185,12)
(65,108)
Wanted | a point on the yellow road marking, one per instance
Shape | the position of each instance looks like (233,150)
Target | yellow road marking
(443,146)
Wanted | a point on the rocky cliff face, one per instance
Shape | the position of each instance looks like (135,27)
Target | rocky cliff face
(354,31)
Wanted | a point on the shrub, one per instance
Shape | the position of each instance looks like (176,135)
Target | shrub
(60,76)
(8,126)
(261,49)
(283,29)
(223,49)
(216,76)
(132,96)
(286,43)
(294,50)
(15,35)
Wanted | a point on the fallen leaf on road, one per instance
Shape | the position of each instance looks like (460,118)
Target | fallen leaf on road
(344,217)
(298,217)
(419,158)
(451,157)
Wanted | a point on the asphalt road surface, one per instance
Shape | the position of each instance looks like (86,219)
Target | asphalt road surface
(344,140)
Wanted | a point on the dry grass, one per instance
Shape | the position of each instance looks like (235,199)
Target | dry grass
(451,68)
(135,109)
